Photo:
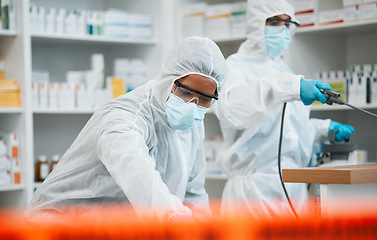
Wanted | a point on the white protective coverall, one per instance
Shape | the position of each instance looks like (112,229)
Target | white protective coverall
(250,116)
(128,153)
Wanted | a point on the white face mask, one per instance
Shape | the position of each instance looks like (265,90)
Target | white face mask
(182,115)
(277,39)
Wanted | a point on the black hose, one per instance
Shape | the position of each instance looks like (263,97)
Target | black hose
(279,162)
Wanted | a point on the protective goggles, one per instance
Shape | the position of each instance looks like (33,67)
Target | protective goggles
(191,95)
(280,22)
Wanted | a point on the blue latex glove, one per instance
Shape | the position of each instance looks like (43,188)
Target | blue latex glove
(310,91)
(343,131)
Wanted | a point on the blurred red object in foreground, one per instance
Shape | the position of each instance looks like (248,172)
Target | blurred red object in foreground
(121,222)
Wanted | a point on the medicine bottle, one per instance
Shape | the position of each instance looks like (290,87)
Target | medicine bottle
(41,169)
(54,161)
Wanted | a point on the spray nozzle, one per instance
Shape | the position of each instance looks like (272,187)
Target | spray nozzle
(332,97)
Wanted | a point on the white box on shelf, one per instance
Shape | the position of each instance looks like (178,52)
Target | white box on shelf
(116,31)
(101,96)
(53,96)
(74,77)
(352,13)
(12,18)
(97,62)
(90,80)
(366,69)
(140,32)
(50,20)
(116,23)
(81,22)
(34,95)
(218,20)
(13,145)
(347,3)
(4,163)
(67,99)
(33,18)
(139,20)
(99,20)
(306,19)
(41,14)
(5,177)
(60,21)
(15,171)
(84,99)
(43,94)
(368,11)
(238,19)
(369,1)
(330,17)
(304,6)
(70,23)
(3,147)
(193,21)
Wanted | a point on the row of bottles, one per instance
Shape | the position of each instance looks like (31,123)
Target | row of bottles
(43,167)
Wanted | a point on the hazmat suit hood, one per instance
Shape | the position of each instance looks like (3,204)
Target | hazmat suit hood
(194,55)
(257,13)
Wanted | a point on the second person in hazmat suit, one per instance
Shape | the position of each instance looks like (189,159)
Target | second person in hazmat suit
(250,115)
(144,147)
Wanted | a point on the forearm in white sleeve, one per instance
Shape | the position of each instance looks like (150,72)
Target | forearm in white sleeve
(320,128)
(196,197)
(246,105)
(123,151)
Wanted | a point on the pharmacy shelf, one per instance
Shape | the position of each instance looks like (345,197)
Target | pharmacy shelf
(11,188)
(63,111)
(11,110)
(361,26)
(8,33)
(339,28)
(230,39)
(336,107)
(216,176)
(94,39)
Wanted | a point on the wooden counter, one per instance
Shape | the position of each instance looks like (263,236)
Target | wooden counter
(353,186)
(348,174)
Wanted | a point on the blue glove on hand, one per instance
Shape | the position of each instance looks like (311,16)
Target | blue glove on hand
(310,91)
(343,131)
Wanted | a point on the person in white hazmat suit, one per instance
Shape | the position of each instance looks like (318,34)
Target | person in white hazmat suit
(144,147)
(250,116)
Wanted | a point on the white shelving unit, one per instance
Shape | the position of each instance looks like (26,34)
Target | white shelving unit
(86,38)
(12,188)
(52,132)
(8,33)
(11,110)
(15,48)
(63,111)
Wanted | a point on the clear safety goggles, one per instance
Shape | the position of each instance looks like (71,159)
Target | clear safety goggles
(291,25)
(190,95)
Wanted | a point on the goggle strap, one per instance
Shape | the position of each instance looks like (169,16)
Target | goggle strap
(283,20)
(188,88)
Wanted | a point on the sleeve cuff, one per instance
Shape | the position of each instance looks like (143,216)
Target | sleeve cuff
(296,87)
(325,128)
